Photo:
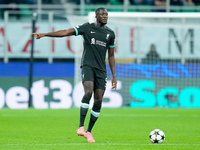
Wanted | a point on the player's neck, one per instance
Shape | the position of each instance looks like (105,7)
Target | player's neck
(100,25)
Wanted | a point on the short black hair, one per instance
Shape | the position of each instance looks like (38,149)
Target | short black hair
(98,9)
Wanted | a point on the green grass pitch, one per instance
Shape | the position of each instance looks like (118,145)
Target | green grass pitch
(122,129)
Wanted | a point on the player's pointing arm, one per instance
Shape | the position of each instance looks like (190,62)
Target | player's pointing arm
(60,33)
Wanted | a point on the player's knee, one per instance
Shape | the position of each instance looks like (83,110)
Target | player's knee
(98,102)
(88,94)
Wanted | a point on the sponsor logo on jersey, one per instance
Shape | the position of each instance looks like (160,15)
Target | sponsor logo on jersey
(100,43)
(97,42)
(92,32)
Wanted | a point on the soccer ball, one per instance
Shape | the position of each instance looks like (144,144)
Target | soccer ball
(157,136)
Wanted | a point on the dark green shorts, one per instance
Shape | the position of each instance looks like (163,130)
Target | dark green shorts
(97,76)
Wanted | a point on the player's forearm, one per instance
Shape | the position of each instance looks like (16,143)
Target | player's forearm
(111,61)
(60,33)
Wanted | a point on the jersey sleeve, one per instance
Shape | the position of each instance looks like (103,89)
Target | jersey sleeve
(112,41)
(80,29)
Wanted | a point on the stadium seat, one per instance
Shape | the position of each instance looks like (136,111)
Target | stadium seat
(115,2)
(24,11)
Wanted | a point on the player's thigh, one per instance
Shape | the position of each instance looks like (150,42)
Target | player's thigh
(100,80)
(88,87)
(87,73)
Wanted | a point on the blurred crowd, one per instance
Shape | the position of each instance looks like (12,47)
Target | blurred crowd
(143,2)
(13,6)
(13,3)
(131,2)
(16,2)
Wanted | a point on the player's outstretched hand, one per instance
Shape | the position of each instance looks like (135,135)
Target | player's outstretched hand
(114,83)
(38,35)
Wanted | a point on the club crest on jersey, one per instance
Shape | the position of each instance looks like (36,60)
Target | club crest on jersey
(93,41)
(107,36)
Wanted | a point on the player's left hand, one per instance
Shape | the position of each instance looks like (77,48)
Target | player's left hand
(114,83)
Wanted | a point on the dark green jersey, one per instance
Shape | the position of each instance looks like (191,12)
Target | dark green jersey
(96,42)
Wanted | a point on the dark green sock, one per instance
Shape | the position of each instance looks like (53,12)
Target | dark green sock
(83,109)
(93,118)
(83,113)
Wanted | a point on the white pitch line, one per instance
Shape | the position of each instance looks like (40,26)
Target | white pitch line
(105,115)
(36,115)
(139,115)
(125,144)
(146,115)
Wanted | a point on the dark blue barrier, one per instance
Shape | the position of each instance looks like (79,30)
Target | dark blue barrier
(20,69)
(157,70)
